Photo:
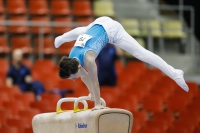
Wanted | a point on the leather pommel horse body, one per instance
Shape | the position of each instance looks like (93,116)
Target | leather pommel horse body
(83,121)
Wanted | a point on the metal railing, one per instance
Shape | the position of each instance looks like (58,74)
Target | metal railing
(151,9)
(41,26)
(195,49)
(194,46)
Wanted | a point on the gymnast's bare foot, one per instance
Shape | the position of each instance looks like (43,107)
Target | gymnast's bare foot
(98,107)
(180,80)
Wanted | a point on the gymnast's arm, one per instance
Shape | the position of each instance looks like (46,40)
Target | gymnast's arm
(71,35)
(91,67)
(86,80)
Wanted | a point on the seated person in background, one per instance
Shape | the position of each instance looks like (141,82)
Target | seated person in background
(19,74)
(106,65)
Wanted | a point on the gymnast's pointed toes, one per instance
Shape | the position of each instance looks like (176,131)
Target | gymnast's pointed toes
(186,88)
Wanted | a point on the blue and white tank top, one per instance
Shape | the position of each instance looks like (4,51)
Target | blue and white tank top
(96,43)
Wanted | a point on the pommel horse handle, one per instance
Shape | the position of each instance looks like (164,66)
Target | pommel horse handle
(84,98)
(71,99)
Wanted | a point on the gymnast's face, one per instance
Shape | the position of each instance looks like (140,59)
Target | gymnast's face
(76,75)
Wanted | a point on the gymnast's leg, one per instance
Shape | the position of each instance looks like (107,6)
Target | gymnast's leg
(129,44)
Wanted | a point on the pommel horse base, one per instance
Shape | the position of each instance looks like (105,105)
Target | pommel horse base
(83,121)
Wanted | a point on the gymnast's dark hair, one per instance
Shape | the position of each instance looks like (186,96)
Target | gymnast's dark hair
(67,66)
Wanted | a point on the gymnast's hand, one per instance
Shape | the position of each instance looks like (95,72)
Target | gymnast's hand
(98,107)
(91,97)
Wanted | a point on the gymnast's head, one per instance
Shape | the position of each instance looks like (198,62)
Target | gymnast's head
(69,68)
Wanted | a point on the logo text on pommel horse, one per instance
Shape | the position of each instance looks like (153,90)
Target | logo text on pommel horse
(80,125)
